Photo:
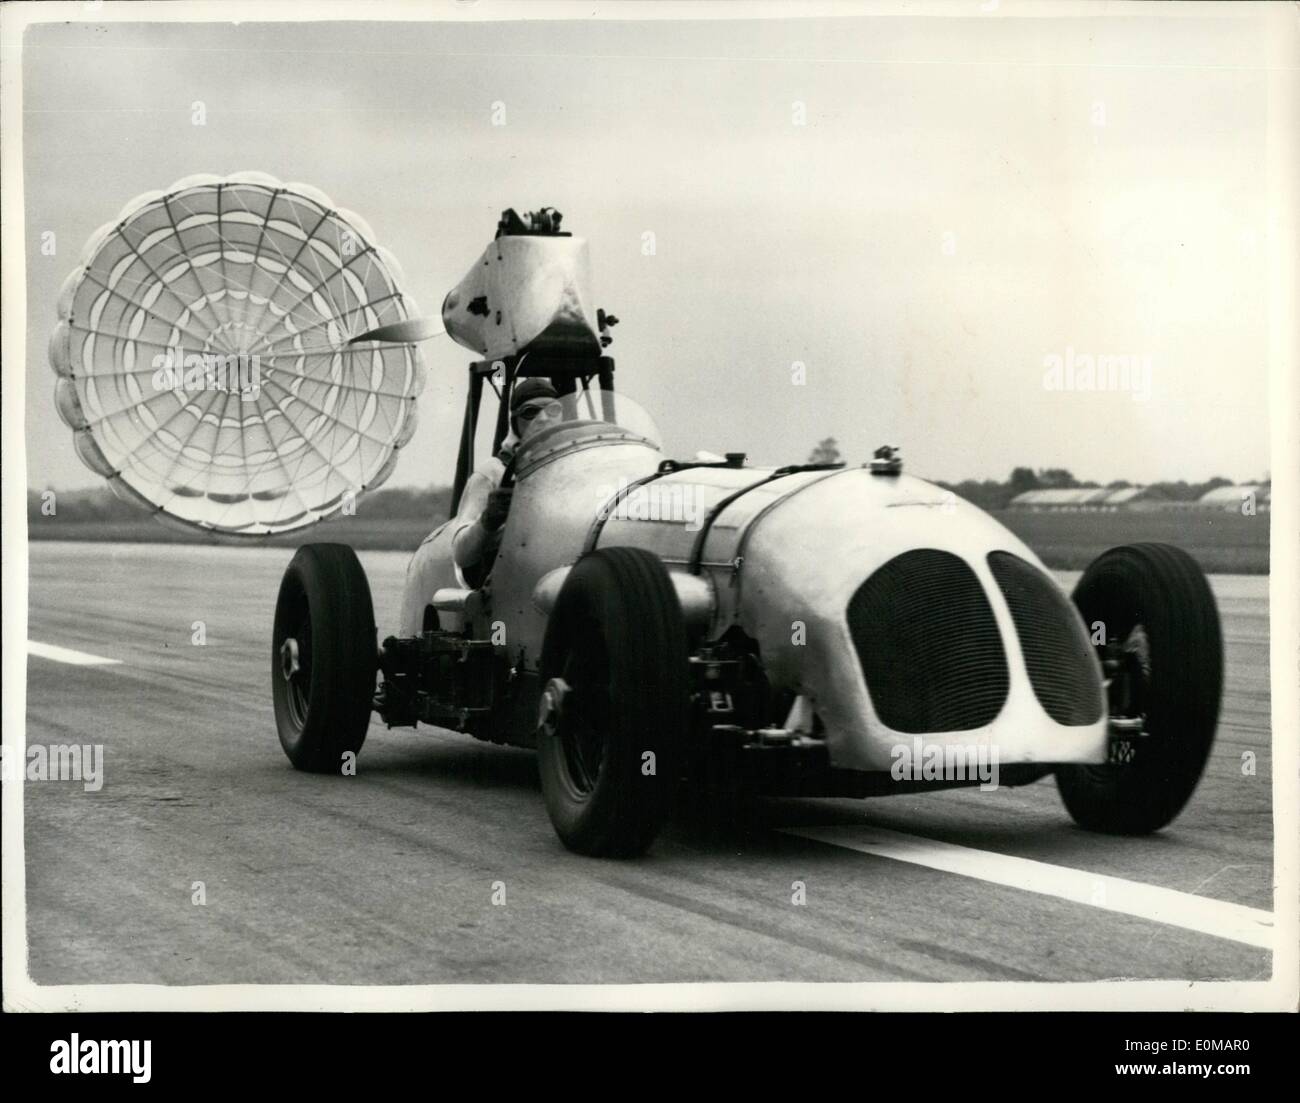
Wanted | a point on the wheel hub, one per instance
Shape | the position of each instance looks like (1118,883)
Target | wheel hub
(289,661)
(1127,664)
(550,712)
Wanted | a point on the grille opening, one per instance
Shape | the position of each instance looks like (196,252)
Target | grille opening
(928,643)
(1058,657)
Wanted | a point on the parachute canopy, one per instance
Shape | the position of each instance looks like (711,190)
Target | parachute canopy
(204,358)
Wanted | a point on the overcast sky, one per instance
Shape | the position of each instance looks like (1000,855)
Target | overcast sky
(967,198)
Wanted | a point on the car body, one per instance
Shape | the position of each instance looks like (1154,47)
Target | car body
(654,624)
(780,561)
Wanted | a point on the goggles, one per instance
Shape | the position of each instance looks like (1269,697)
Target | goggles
(530,411)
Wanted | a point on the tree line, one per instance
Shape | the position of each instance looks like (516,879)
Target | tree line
(995,494)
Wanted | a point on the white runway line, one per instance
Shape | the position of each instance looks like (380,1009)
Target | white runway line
(1178,909)
(67,655)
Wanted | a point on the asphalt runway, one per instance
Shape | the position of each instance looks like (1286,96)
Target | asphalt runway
(389,877)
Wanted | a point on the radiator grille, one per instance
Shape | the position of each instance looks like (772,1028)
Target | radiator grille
(1059,659)
(928,644)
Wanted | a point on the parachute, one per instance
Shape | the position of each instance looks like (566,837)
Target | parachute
(218,360)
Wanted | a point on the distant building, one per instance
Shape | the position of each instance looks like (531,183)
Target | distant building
(1079,499)
(1232,498)
(1058,498)
(1126,494)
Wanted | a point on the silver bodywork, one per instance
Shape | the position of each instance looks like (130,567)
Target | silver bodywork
(782,562)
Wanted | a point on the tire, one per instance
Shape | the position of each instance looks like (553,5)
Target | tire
(618,640)
(1157,607)
(324,612)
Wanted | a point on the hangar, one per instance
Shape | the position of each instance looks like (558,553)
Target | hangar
(1078,499)
(1233,498)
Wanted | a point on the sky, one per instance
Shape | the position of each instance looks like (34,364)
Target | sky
(923,213)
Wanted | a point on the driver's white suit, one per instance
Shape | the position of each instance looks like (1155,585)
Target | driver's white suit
(484,504)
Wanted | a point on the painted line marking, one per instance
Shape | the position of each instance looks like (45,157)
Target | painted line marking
(67,655)
(1219,918)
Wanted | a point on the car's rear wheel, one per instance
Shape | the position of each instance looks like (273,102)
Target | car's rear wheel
(1163,662)
(616,705)
(323,657)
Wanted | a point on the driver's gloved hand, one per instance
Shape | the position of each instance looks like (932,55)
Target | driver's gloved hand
(498,507)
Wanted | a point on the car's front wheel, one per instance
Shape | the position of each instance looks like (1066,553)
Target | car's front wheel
(1151,608)
(616,703)
(323,657)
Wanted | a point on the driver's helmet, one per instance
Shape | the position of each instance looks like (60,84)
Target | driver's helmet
(532,397)
(535,406)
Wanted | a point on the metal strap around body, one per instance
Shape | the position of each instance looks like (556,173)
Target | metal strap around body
(607,510)
(743,542)
(667,467)
(701,538)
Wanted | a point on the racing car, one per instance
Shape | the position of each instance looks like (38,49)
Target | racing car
(790,631)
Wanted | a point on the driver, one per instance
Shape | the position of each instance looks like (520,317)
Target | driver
(485,504)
